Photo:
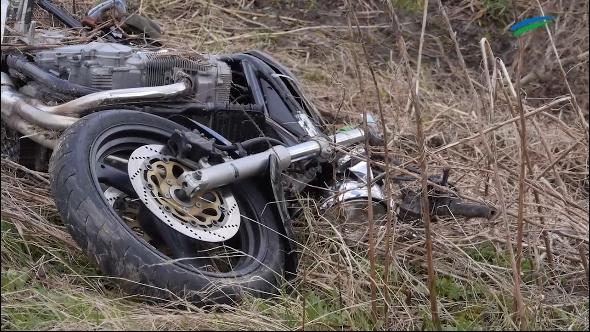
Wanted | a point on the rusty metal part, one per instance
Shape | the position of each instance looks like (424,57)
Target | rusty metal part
(89,22)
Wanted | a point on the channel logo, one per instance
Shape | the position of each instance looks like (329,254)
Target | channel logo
(518,29)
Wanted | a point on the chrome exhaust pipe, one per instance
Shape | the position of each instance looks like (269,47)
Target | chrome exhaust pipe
(30,131)
(14,103)
(54,117)
(119,97)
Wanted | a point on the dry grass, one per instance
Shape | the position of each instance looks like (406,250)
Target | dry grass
(47,283)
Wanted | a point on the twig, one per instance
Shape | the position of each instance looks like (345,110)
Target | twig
(498,185)
(286,18)
(518,301)
(303,305)
(387,190)
(560,157)
(287,32)
(584,261)
(501,124)
(38,175)
(537,74)
(573,101)
(528,162)
(369,191)
(549,157)
(425,205)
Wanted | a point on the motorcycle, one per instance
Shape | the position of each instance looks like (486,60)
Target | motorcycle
(178,173)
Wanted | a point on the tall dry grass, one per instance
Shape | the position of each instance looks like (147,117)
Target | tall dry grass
(471,117)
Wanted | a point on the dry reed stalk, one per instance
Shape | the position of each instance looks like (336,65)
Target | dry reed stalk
(584,261)
(518,300)
(574,101)
(501,124)
(425,205)
(369,180)
(387,189)
(494,162)
(303,306)
(529,166)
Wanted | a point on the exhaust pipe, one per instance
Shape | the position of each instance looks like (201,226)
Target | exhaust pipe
(109,98)
(14,103)
(54,117)
(30,131)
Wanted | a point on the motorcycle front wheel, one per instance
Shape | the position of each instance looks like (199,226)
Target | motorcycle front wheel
(110,222)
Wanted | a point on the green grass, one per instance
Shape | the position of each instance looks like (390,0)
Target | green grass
(412,6)
(498,12)
(29,269)
(48,283)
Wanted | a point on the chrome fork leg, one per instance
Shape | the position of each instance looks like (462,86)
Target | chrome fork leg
(231,171)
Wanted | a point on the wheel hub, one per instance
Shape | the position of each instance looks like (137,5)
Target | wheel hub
(212,216)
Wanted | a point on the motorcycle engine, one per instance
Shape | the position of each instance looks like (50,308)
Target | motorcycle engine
(107,66)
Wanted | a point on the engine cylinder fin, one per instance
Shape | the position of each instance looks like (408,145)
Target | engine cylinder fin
(159,63)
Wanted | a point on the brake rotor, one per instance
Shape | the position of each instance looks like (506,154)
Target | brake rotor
(213,216)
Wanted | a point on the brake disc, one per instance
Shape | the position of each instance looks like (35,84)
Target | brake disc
(213,216)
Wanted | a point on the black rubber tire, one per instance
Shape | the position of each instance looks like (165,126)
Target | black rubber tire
(120,253)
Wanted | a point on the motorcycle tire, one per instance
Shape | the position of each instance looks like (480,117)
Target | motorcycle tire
(146,266)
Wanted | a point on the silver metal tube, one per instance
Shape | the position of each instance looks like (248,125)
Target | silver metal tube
(53,117)
(13,102)
(118,97)
(35,134)
(304,150)
(348,137)
(320,145)
(231,171)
